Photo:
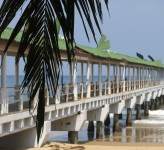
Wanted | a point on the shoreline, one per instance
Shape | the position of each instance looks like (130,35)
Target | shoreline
(101,146)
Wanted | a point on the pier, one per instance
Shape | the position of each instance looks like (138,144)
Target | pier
(122,82)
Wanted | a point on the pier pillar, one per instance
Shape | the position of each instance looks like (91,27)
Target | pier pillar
(160,100)
(163,99)
(152,104)
(4,105)
(138,112)
(129,134)
(99,132)
(142,106)
(73,137)
(129,117)
(146,110)
(90,126)
(107,121)
(69,135)
(120,116)
(156,103)
(116,125)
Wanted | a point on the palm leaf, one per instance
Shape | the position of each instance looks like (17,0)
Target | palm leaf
(40,33)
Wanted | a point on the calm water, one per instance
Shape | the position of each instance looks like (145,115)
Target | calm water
(148,130)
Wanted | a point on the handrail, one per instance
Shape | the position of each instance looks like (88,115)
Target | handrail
(12,100)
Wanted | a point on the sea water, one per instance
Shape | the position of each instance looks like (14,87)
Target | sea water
(146,130)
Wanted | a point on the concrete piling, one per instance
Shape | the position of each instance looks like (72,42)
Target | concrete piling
(129,117)
(90,126)
(73,137)
(99,132)
(116,125)
(156,103)
(146,110)
(152,104)
(138,112)
(107,121)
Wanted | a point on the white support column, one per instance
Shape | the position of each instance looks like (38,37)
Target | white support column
(147,74)
(129,79)
(75,80)
(123,77)
(108,75)
(92,73)
(143,74)
(100,78)
(82,72)
(4,106)
(117,81)
(3,72)
(88,80)
(134,79)
(82,81)
(138,76)
(114,72)
(155,75)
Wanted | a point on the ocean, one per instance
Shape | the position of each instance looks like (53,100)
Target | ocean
(10,80)
(146,130)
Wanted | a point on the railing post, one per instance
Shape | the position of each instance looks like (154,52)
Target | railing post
(75,91)
(81,90)
(100,89)
(105,88)
(46,96)
(21,102)
(88,89)
(57,96)
(75,87)
(109,87)
(67,92)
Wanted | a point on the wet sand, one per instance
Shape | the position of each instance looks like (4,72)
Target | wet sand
(101,146)
(146,134)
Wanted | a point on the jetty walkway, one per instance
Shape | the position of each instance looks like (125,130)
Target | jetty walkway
(129,82)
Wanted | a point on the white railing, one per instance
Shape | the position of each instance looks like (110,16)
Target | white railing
(12,99)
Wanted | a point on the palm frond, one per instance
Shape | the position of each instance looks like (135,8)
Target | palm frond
(40,32)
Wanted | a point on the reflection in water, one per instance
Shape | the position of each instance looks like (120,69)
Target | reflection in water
(90,136)
(129,134)
(107,133)
(152,132)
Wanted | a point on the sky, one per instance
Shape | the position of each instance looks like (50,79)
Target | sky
(133,26)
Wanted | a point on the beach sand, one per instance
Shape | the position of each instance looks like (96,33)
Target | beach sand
(101,146)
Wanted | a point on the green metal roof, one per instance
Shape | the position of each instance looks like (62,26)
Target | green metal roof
(102,50)
(7,32)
